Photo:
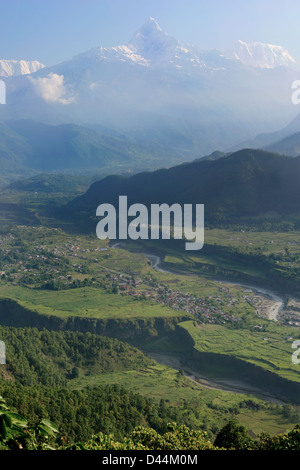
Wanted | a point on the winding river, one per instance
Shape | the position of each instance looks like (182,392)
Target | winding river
(274,310)
(174,361)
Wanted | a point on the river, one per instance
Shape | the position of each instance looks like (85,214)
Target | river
(229,385)
(274,309)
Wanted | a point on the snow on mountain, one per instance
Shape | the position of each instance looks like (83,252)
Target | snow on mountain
(156,85)
(261,55)
(9,68)
(151,41)
(150,47)
(112,54)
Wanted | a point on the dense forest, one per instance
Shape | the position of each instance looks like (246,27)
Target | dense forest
(40,366)
(38,408)
(16,433)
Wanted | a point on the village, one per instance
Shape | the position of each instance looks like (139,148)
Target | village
(55,269)
(70,265)
(204,310)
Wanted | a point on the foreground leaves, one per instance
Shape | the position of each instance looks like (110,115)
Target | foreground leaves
(15,432)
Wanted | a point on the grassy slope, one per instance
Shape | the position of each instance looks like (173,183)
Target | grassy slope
(211,406)
(163,381)
(85,302)
(49,358)
(270,350)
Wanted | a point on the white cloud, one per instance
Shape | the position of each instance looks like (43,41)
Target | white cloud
(93,85)
(52,88)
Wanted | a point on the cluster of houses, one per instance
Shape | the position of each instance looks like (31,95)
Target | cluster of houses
(34,264)
(208,309)
(198,307)
(132,284)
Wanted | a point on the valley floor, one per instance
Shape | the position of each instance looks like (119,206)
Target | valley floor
(59,280)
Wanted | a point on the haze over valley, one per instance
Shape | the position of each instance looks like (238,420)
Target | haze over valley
(105,341)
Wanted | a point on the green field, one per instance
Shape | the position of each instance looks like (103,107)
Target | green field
(262,258)
(85,302)
(269,349)
(83,361)
(210,407)
(32,255)
(268,242)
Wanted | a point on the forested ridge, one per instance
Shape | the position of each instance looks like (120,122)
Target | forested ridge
(40,366)
(38,409)
(50,358)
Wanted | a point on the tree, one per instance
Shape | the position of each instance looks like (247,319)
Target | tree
(287,441)
(15,433)
(234,436)
(75,373)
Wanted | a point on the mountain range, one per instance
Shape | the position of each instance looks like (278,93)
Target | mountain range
(154,102)
(246,184)
(289,146)
(9,68)
(284,141)
(156,87)
(28,147)
(257,54)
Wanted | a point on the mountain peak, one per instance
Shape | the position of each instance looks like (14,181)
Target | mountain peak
(152,23)
(261,55)
(151,39)
(9,68)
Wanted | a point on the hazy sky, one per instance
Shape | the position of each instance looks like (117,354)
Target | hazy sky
(54,30)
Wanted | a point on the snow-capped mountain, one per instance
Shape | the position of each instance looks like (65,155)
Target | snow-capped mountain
(157,88)
(257,54)
(153,48)
(150,40)
(158,48)
(9,68)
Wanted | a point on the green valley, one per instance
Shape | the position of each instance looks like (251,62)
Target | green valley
(197,338)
